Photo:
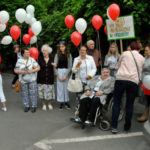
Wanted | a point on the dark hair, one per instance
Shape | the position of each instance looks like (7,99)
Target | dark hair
(83,46)
(135,45)
(148,45)
(67,53)
(24,49)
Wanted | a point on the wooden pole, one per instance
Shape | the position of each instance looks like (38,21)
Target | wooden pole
(121,46)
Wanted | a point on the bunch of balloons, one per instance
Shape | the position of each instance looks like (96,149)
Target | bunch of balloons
(27,17)
(80,25)
(4,17)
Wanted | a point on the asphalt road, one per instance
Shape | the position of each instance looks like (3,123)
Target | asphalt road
(54,130)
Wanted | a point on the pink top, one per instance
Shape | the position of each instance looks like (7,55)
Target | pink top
(127,68)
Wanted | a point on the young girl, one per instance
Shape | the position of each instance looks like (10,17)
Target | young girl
(63,60)
(112,58)
(2,96)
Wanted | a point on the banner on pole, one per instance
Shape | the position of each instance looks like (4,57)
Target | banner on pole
(122,28)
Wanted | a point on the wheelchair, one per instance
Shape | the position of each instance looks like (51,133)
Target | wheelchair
(99,120)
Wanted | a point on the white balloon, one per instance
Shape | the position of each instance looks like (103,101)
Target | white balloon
(30,9)
(4,16)
(33,40)
(33,20)
(28,19)
(6,40)
(146,81)
(2,27)
(81,25)
(36,27)
(20,15)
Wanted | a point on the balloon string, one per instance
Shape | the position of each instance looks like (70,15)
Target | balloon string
(99,47)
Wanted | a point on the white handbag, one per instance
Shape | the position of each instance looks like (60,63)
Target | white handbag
(75,84)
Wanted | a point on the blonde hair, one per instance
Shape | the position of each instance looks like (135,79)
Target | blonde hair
(46,46)
(116,54)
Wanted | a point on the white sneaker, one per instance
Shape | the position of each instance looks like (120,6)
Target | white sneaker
(77,119)
(44,107)
(88,122)
(4,109)
(50,107)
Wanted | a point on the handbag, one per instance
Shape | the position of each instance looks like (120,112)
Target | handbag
(18,86)
(26,77)
(75,84)
(139,91)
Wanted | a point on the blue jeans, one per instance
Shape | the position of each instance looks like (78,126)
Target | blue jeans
(131,89)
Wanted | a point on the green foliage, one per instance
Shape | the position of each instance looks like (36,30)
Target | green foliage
(52,13)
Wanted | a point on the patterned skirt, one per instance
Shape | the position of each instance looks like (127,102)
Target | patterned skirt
(46,91)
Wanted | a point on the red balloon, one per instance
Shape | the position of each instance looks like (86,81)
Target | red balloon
(15,32)
(97,22)
(145,90)
(105,30)
(34,53)
(30,32)
(69,21)
(76,38)
(114,11)
(26,39)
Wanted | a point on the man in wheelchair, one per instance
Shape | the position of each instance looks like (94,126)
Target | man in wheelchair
(94,96)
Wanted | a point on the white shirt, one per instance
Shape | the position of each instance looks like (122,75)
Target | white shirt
(20,65)
(87,67)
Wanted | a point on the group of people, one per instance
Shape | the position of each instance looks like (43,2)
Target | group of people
(120,74)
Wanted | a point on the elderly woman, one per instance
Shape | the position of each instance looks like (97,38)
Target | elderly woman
(95,96)
(84,65)
(128,75)
(27,69)
(45,78)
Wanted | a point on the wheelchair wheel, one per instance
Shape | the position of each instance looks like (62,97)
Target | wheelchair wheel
(104,125)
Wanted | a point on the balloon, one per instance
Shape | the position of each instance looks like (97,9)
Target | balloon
(81,25)
(26,39)
(33,20)
(105,30)
(28,19)
(145,90)
(30,9)
(2,27)
(146,81)
(36,27)
(33,40)
(20,15)
(6,40)
(34,53)
(76,38)
(15,32)
(4,16)
(69,21)
(97,22)
(114,11)
(6,24)
(30,32)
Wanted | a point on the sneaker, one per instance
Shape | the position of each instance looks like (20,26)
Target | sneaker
(26,109)
(13,85)
(44,107)
(61,106)
(77,120)
(88,122)
(4,109)
(50,107)
(33,110)
(114,131)
(67,106)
